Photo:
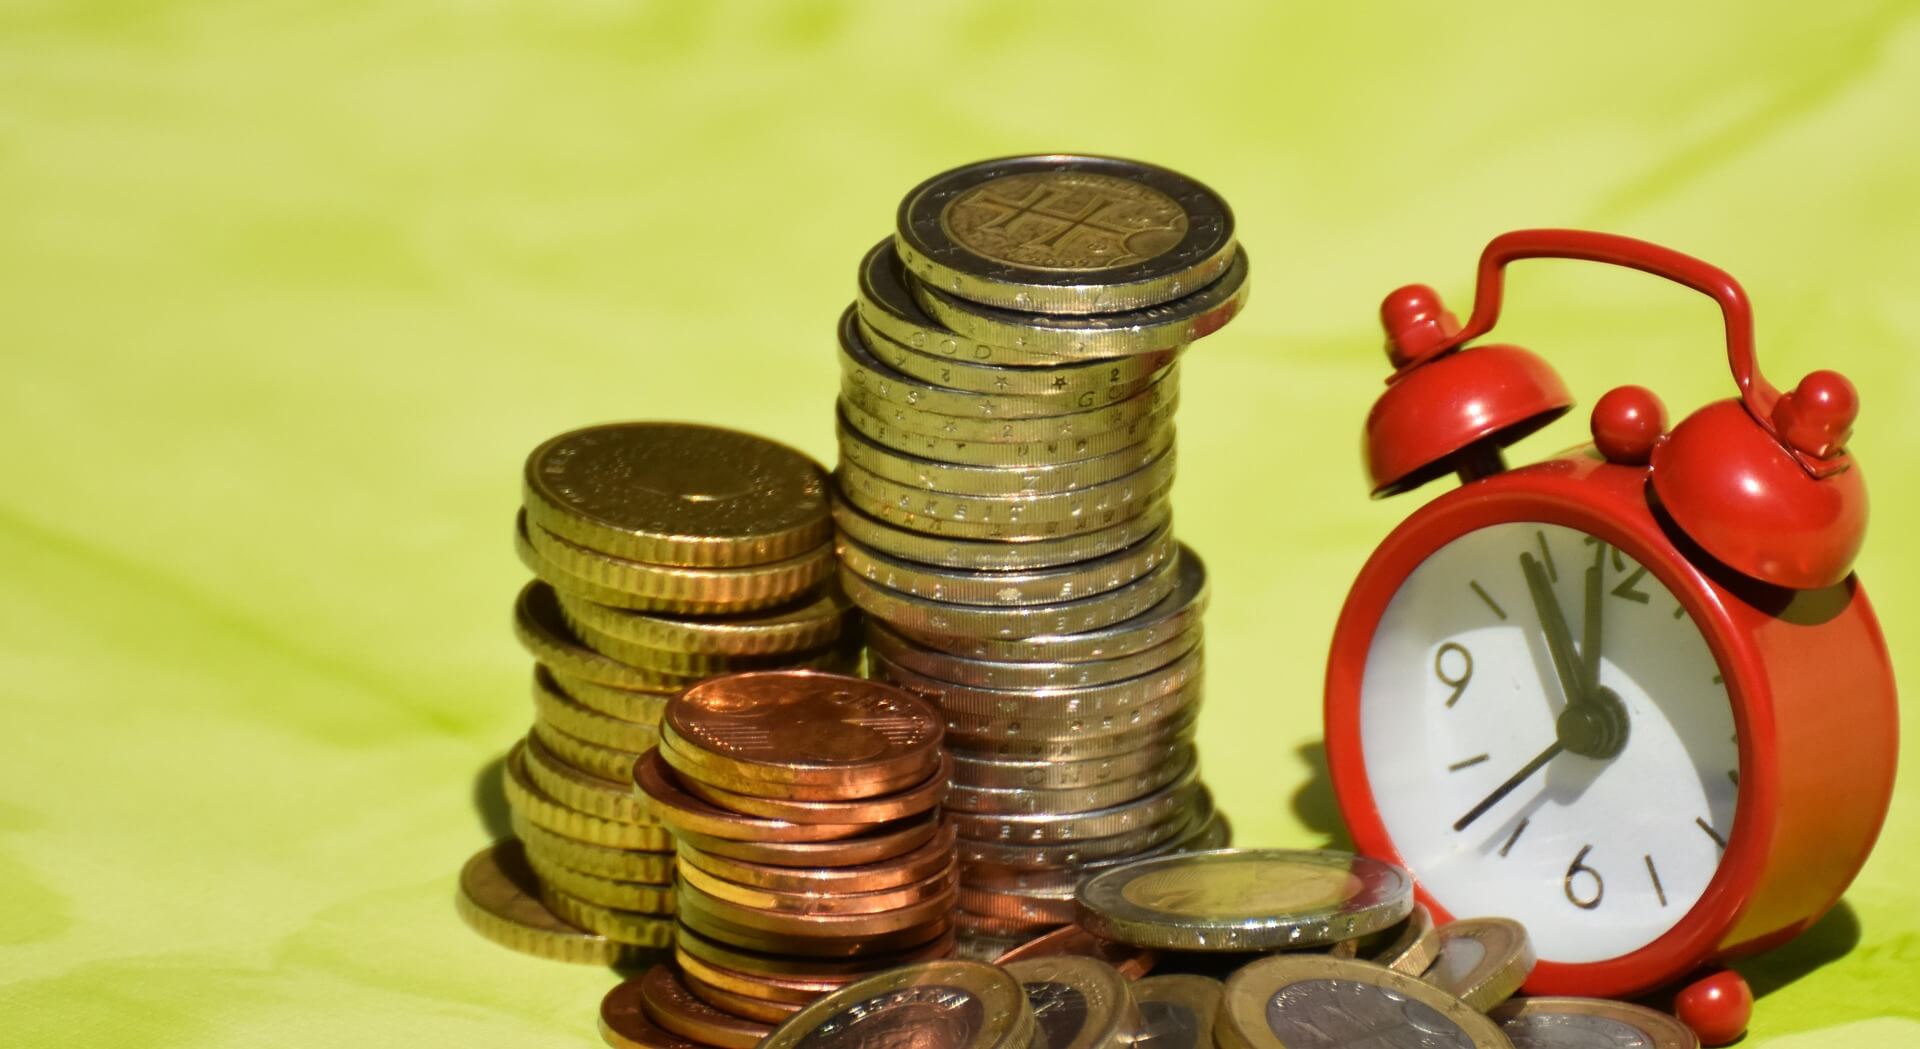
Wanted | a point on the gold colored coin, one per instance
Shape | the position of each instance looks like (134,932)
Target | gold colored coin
(1177,1011)
(1065,234)
(552,575)
(1166,327)
(693,669)
(861,370)
(915,434)
(1293,1001)
(1482,961)
(537,808)
(888,308)
(942,360)
(923,617)
(1031,479)
(543,632)
(552,704)
(499,899)
(591,758)
(691,590)
(575,789)
(629,927)
(1011,517)
(1109,418)
(642,897)
(678,494)
(654,868)
(809,624)
(641,707)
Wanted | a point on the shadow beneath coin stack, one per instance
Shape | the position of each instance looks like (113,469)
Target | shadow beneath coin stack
(1314,804)
(490,799)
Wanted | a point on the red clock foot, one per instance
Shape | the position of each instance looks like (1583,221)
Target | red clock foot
(1717,1006)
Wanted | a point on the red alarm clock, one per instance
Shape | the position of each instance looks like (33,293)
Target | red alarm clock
(1631,696)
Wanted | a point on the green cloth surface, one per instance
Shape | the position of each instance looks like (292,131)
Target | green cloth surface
(287,291)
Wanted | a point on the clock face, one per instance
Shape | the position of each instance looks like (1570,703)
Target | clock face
(1518,776)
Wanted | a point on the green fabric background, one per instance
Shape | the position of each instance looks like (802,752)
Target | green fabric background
(287,290)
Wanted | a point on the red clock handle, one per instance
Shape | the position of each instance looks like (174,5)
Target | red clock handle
(1760,395)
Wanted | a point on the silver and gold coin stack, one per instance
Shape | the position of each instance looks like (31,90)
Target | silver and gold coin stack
(665,554)
(1010,372)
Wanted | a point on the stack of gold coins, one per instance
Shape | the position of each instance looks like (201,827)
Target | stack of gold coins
(665,553)
(1009,376)
(811,852)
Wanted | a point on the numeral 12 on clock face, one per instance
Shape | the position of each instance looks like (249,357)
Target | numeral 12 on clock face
(1547,737)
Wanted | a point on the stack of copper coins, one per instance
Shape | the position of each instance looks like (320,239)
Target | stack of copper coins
(805,807)
(665,553)
(1009,378)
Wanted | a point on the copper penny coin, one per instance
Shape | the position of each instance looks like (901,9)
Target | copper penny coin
(767,732)
(885,808)
(930,907)
(936,884)
(682,812)
(918,865)
(884,842)
(764,965)
(717,921)
(738,1004)
(988,925)
(1133,962)
(667,1002)
(624,1023)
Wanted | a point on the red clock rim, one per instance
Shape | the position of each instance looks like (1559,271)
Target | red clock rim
(1550,494)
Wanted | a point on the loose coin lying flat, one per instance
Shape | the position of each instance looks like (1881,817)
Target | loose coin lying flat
(1306,1001)
(1173,616)
(1078,1002)
(803,735)
(1482,961)
(950,1004)
(1131,962)
(1167,326)
(1589,1023)
(1245,900)
(1177,1011)
(677,494)
(499,898)
(1065,234)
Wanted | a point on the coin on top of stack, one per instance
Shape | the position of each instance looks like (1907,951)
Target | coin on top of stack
(811,851)
(664,553)
(1009,376)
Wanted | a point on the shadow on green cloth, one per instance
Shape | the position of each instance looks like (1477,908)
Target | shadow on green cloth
(490,800)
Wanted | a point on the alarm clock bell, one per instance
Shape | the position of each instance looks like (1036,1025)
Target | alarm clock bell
(1762,482)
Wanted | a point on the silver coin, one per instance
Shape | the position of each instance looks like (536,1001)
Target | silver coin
(1037,478)
(861,370)
(1010,589)
(1065,234)
(986,556)
(1088,422)
(1177,1011)
(914,434)
(1047,828)
(1092,703)
(1011,517)
(1173,616)
(982,673)
(1167,718)
(1090,382)
(980,771)
(1079,799)
(1078,1002)
(886,303)
(937,619)
(1589,1023)
(1073,855)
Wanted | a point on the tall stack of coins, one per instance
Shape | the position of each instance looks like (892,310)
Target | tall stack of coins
(811,852)
(664,553)
(1009,378)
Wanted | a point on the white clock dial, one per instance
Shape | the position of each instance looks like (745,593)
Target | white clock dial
(1598,827)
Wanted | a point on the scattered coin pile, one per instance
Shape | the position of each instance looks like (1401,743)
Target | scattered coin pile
(1009,379)
(1283,950)
(664,554)
(811,852)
